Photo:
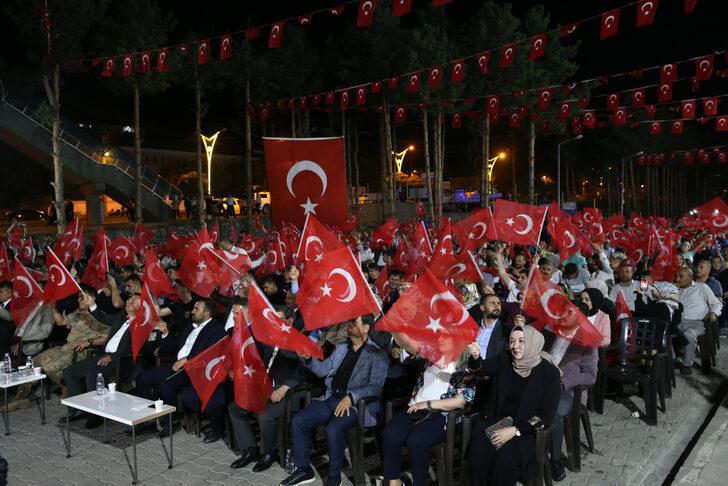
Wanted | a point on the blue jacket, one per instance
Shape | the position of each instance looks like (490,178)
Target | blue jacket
(367,378)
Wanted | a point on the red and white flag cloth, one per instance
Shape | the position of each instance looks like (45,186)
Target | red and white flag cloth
(27,295)
(383,236)
(307,176)
(200,269)
(478,228)
(546,303)
(382,284)
(121,251)
(142,325)
(98,265)
(154,275)
(365,13)
(252,385)
(60,283)
(316,241)
(143,235)
(335,291)
(70,245)
(433,318)
(609,24)
(623,311)
(274,260)
(6,271)
(465,268)
(714,214)
(270,329)
(443,256)
(518,223)
(233,264)
(209,369)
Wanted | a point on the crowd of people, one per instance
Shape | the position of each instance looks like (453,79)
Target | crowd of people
(516,379)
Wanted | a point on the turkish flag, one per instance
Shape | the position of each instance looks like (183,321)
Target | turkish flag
(457,120)
(6,272)
(108,68)
(538,46)
(721,124)
(98,265)
(668,73)
(382,284)
(638,98)
(655,128)
(127,66)
(564,237)
(201,268)
(492,106)
(162,61)
(274,260)
(434,76)
(350,224)
(306,176)
(145,62)
(465,267)
(316,241)
(623,311)
(507,55)
(383,236)
(664,92)
(270,329)
(215,232)
(226,47)
(595,229)
(544,98)
(589,119)
(401,7)
(479,229)
(252,384)
(688,109)
(210,368)
(400,114)
(443,256)
(646,12)
(121,251)
(518,223)
(60,283)
(335,291)
(420,249)
(233,265)
(610,24)
(365,13)
(361,96)
(546,303)
(203,51)
(143,235)
(664,268)
(483,58)
(276,34)
(710,106)
(704,67)
(676,127)
(154,275)
(457,71)
(145,319)
(413,83)
(70,245)
(26,251)
(564,110)
(433,318)
(714,214)
(27,295)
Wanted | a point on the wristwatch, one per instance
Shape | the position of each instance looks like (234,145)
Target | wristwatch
(429,406)
(518,432)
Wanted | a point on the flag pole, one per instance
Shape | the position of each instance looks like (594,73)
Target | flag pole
(273,357)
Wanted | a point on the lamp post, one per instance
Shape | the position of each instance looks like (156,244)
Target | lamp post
(209,144)
(621,182)
(399,157)
(558,167)
(490,165)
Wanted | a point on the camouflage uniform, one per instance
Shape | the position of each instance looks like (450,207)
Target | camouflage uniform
(83,327)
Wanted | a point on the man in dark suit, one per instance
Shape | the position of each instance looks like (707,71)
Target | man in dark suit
(285,374)
(356,369)
(7,327)
(169,379)
(81,377)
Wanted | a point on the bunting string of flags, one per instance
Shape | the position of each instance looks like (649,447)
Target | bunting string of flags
(716,153)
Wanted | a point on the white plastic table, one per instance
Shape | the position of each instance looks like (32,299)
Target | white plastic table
(122,408)
(14,379)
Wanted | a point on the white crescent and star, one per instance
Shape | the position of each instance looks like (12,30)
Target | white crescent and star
(529,224)
(249,370)
(22,278)
(213,362)
(351,285)
(545,298)
(572,239)
(306,166)
(309,239)
(608,21)
(447,296)
(60,271)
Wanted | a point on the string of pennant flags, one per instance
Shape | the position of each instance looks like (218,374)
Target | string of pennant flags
(141,61)
(717,153)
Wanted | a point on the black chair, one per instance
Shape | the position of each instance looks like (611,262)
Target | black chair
(705,347)
(572,430)
(641,357)
(298,393)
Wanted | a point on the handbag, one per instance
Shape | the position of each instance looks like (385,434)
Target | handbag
(503,423)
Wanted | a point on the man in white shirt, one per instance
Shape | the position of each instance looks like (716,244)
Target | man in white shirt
(81,377)
(699,305)
(625,284)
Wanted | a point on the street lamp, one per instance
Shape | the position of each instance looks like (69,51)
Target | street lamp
(621,183)
(486,177)
(209,143)
(399,157)
(558,167)
(491,165)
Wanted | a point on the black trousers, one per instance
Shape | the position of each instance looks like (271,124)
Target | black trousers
(267,420)
(418,436)
(7,331)
(496,467)
(81,377)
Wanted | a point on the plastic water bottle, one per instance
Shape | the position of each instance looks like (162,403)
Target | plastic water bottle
(29,366)
(8,364)
(100,387)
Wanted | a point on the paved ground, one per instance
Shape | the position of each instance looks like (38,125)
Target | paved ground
(627,450)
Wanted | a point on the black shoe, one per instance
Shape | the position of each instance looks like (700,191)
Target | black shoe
(558,472)
(93,422)
(333,480)
(302,475)
(248,456)
(264,463)
(211,436)
(74,416)
(686,370)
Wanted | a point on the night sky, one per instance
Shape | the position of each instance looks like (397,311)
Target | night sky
(168,118)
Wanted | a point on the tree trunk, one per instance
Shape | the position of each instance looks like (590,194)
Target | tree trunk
(198,132)
(137,156)
(485,157)
(306,123)
(428,181)
(54,100)
(347,159)
(388,153)
(355,163)
(439,198)
(393,186)
(383,162)
(293,123)
(531,162)
(248,159)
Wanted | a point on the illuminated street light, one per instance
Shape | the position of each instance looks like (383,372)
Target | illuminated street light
(209,143)
(491,165)
(399,157)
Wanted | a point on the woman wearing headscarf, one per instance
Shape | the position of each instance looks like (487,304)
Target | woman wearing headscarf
(527,390)
(592,299)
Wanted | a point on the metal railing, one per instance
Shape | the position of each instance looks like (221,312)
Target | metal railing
(150,181)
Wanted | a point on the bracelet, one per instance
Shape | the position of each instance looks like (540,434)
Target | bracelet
(429,406)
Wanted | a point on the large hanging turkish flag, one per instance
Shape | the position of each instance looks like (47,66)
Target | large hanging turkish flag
(306,176)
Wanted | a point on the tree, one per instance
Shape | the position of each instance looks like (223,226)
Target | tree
(132,26)
(61,34)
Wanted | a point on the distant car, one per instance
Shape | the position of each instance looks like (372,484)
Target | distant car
(23,215)
(264,201)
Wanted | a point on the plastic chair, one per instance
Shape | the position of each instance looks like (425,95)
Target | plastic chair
(572,430)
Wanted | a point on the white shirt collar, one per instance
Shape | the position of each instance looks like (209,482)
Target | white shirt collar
(202,324)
